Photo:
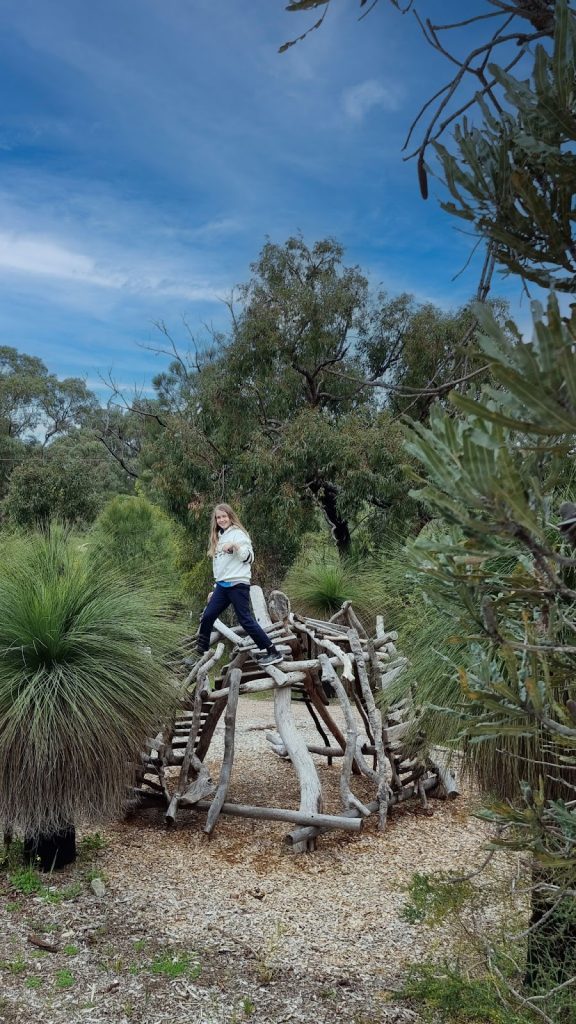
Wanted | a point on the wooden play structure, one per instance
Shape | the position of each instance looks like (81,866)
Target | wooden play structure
(325,661)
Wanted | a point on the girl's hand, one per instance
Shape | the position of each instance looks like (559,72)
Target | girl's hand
(229,548)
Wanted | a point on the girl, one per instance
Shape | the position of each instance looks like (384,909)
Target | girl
(232,557)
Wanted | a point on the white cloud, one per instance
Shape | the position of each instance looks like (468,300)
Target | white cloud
(43,256)
(360,99)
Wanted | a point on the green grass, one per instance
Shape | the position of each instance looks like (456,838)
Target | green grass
(176,965)
(26,881)
(91,845)
(17,966)
(64,979)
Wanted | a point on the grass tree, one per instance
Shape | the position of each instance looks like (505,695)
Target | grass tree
(82,684)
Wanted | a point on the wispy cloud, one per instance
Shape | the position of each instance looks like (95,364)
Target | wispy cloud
(39,256)
(360,99)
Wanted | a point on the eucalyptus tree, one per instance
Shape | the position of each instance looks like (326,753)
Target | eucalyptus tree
(281,417)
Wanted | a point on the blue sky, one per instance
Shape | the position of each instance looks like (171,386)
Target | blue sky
(148,149)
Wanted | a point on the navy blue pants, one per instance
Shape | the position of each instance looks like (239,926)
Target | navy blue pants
(239,597)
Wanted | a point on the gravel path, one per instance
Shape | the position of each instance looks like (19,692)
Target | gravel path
(276,937)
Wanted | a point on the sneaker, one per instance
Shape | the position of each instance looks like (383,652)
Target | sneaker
(270,657)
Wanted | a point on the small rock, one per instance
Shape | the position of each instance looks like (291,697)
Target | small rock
(98,887)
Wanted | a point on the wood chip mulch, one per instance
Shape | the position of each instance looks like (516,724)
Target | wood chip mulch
(235,927)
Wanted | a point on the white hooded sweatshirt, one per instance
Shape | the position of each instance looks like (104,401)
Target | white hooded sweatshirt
(235,567)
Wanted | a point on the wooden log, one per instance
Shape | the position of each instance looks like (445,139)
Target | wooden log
(216,712)
(446,779)
(380,631)
(310,818)
(347,669)
(282,678)
(355,622)
(209,658)
(278,747)
(346,795)
(315,748)
(376,725)
(373,667)
(387,678)
(258,685)
(189,758)
(329,645)
(320,624)
(382,640)
(301,835)
(228,759)
(310,788)
(201,788)
(259,607)
(322,711)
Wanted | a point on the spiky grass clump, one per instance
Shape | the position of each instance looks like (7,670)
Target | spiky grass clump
(82,683)
(319,582)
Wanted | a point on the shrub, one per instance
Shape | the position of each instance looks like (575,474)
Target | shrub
(138,539)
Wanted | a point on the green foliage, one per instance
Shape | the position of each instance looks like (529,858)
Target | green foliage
(273,418)
(138,539)
(43,487)
(34,403)
(197,584)
(12,855)
(432,898)
(500,573)
(320,585)
(17,966)
(514,176)
(82,682)
(26,881)
(90,845)
(440,988)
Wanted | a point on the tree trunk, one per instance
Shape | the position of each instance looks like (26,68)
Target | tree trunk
(327,495)
(50,851)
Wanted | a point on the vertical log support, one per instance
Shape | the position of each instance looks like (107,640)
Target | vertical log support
(310,788)
(346,795)
(375,719)
(226,770)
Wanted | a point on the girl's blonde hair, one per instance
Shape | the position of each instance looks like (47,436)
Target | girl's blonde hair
(214,534)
